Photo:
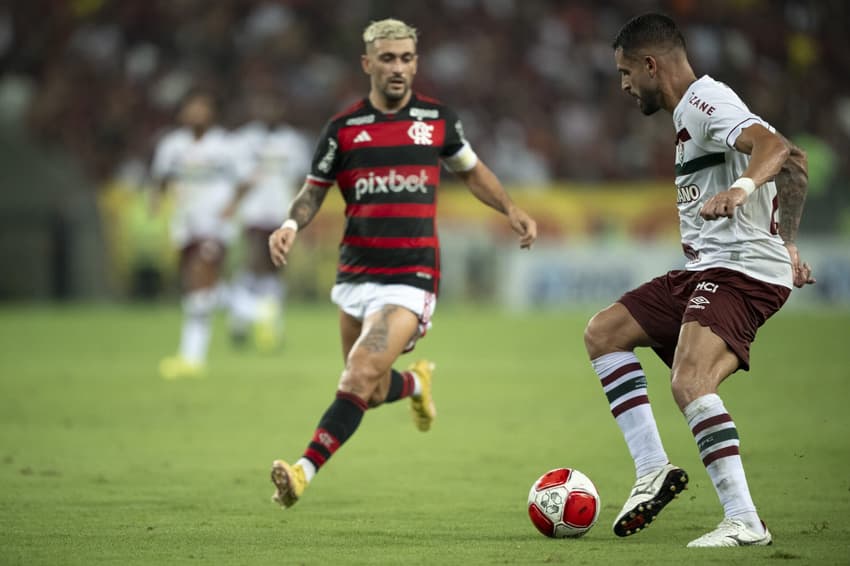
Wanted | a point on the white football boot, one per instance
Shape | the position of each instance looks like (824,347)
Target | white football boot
(649,496)
(732,532)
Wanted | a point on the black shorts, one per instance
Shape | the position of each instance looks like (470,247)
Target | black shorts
(732,304)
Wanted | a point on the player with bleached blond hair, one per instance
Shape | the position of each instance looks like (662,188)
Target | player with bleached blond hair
(384,153)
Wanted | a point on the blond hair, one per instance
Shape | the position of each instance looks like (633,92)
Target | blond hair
(389,28)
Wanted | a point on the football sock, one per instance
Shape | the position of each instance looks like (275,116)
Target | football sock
(308,467)
(269,295)
(269,286)
(243,304)
(335,427)
(195,334)
(401,385)
(717,441)
(417,386)
(624,384)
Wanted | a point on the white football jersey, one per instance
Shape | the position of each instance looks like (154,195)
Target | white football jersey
(708,121)
(203,174)
(278,159)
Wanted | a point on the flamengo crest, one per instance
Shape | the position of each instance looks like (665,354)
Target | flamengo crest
(421,133)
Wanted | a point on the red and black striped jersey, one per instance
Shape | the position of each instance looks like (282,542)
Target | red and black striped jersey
(387,167)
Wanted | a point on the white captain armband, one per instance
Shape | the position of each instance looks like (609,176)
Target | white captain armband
(745,183)
(462,161)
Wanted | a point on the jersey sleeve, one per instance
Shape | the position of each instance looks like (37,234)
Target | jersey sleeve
(457,154)
(722,127)
(243,156)
(164,159)
(300,153)
(325,164)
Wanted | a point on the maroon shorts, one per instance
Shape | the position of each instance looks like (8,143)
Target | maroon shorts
(209,250)
(732,304)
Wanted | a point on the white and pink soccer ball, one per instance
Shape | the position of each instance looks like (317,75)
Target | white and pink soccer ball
(563,503)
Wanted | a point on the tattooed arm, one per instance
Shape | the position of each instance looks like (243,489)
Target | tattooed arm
(302,210)
(307,203)
(792,183)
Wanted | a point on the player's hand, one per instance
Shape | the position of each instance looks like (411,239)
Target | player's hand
(523,225)
(723,205)
(280,242)
(802,271)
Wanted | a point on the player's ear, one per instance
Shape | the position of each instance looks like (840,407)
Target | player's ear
(650,65)
(366,63)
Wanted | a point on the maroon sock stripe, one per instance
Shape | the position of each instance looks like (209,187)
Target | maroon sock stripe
(352,398)
(711,421)
(630,404)
(620,372)
(316,457)
(722,453)
(408,385)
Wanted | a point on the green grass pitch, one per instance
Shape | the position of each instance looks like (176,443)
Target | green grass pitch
(102,462)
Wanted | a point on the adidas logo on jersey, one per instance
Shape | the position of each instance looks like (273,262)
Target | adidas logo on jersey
(363,137)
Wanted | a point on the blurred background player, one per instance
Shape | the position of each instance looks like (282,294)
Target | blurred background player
(384,152)
(276,156)
(198,163)
(732,169)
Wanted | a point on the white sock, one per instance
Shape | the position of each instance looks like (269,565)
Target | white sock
(717,440)
(195,335)
(624,384)
(269,297)
(417,385)
(243,302)
(269,286)
(309,468)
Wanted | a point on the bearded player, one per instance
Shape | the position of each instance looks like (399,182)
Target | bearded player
(384,153)
(732,171)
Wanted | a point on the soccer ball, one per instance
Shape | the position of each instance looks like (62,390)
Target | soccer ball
(563,503)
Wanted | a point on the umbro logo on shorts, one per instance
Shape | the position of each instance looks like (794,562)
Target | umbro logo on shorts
(363,137)
(698,302)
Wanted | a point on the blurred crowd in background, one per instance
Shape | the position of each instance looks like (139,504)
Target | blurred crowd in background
(88,87)
(534,81)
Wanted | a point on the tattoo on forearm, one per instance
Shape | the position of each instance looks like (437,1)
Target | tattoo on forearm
(792,183)
(307,204)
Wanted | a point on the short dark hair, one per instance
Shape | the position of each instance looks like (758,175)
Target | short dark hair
(200,91)
(648,30)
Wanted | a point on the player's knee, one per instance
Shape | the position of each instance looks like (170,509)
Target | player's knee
(362,375)
(598,335)
(200,303)
(684,385)
(200,275)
